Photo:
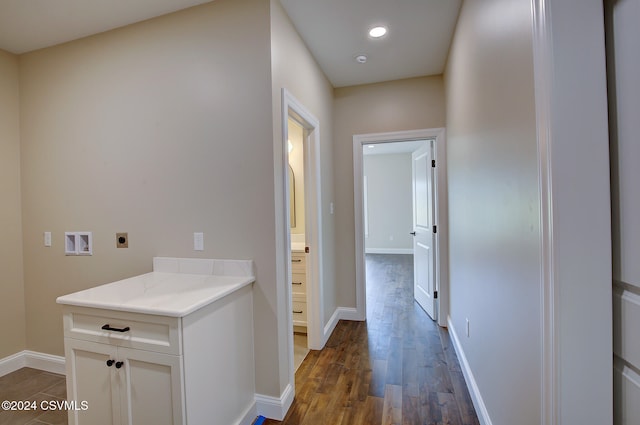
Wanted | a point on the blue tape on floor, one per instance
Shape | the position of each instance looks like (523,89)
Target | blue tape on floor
(260,420)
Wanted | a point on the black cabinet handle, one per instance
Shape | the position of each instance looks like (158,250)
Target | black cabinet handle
(109,328)
(298,312)
(296,260)
(413,233)
(296,283)
(119,365)
(110,362)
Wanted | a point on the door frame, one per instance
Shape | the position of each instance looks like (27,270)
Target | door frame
(291,107)
(440,187)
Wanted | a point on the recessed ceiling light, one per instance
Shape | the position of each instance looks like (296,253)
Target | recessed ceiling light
(371,146)
(377,32)
(361,59)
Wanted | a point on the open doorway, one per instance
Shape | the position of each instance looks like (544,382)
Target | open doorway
(301,168)
(388,218)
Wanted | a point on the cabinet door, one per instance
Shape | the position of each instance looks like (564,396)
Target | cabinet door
(90,379)
(152,392)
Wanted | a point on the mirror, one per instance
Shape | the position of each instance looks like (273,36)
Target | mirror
(292,198)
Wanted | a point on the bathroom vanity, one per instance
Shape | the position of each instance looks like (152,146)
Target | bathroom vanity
(170,347)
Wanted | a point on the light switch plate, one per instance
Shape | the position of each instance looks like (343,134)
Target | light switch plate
(47,238)
(198,241)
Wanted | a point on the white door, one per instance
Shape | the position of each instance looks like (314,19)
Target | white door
(424,282)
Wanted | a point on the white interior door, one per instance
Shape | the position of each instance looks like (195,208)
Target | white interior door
(424,282)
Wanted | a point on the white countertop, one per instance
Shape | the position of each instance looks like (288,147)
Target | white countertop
(297,246)
(174,294)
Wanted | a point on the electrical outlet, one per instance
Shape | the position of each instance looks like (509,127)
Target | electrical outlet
(122,240)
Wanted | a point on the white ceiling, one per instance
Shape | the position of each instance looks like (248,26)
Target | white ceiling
(27,25)
(335,31)
(388,148)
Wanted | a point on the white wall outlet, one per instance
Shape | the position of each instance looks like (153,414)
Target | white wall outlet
(468,328)
(47,238)
(198,241)
(78,243)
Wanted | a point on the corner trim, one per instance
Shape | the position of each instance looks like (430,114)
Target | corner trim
(470,380)
(274,407)
(543,86)
(32,359)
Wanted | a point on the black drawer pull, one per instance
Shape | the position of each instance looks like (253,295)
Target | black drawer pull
(296,260)
(296,283)
(109,328)
(119,365)
(110,362)
(297,312)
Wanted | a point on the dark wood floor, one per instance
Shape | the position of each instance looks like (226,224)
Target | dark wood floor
(399,367)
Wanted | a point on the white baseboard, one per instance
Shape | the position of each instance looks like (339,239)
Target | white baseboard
(474,391)
(249,416)
(273,407)
(388,250)
(33,359)
(341,313)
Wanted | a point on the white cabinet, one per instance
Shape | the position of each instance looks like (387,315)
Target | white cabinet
(124,386)
(137,369)
(299,288)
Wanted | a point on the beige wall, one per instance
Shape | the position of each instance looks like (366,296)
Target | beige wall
(494,204)
(158,129)
(295,69)
(410,104)
(12,287)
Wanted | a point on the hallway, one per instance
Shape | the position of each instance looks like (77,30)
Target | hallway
(399,367)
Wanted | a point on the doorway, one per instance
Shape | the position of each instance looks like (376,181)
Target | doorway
(407,142)
(303,228)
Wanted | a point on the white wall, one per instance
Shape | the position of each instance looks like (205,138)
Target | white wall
(296,161)
(494,204)
(623,33)
(389,203)
(12,299)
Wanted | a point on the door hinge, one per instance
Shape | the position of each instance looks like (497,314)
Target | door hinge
(306,249)
(433,163)
(435,294)
(435,229)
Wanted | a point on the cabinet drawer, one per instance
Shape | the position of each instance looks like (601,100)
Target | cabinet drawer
(299,313)
(299,283)
(132,330)
(298,263)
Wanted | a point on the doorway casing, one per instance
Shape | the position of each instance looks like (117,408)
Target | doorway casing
(440,185)
(292,108)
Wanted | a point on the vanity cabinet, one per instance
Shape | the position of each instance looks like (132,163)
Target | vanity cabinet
(171,347)
(126,374)
(299,288)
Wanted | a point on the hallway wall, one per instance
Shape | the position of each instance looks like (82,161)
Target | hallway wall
(494,204)
(414,103)
(12,299)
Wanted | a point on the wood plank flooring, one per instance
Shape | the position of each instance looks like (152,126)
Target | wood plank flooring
(398,367)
